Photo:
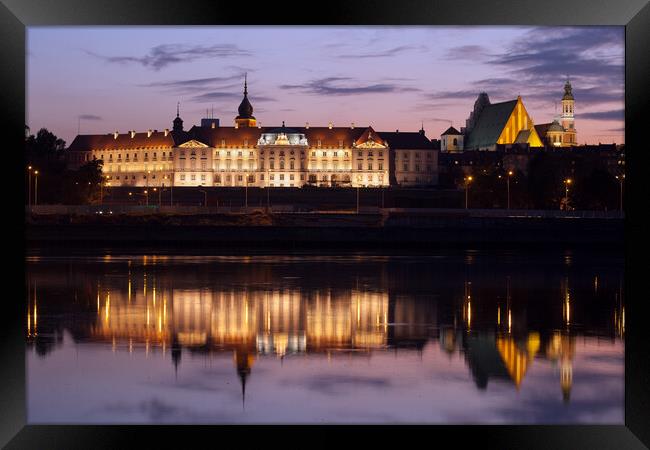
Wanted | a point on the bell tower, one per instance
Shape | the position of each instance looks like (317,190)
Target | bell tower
(567,117)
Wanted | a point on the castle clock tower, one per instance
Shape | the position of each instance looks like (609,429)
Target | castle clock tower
(568,102)
(245,117)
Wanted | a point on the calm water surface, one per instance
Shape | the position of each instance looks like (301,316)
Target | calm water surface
(457,337)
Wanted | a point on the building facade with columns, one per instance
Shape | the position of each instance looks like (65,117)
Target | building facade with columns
(249,154)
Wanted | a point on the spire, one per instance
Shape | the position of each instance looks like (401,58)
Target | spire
(245,84)
(245,117)
(178,105)
(178,122)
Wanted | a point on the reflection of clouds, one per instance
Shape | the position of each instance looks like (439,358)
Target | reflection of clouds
(337,384)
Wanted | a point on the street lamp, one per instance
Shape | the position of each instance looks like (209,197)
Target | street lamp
(621,178)
(246,193)
(357,198)
(468,180)
(567,182)
(508,181)
(35,187)
(29,198)
(205,197)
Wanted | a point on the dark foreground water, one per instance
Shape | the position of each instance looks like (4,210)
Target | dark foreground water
(456,337)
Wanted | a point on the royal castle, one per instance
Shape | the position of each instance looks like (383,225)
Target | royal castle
(247,154)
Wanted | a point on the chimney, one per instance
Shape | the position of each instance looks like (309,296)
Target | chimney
(115,134)
(132,134)
(213,125)
(307,125)
(236,126)
(149,133)
(166,131)
(352,125)
(329,125)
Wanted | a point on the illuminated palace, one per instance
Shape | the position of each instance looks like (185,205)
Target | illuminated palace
(492,124)
(248,154)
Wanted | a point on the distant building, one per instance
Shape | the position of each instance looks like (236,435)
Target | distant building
(249,154)
(451,140)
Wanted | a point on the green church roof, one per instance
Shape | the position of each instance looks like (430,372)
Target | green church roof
(490,124)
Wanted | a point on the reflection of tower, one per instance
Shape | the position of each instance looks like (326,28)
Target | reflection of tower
(244,361)
(566,378)
(176,353)
(562,347)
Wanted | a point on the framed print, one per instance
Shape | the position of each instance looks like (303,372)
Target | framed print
(381,219)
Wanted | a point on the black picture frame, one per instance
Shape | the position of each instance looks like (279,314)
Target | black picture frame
(16,15)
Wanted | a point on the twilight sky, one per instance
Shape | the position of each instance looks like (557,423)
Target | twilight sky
(103,79)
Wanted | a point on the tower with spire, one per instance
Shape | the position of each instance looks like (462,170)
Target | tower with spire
(567,118)
(178,122)
(245,117)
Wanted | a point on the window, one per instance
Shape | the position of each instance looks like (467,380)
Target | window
(340,143)
(369,152)
(291,177)
(182,154)
(313,153)
(217,178)
(202,177)
(281,165)
(291,164)
(240,178)
(336,153)
(381,153)
(262,177)
(202,154)
(272,177)
(406,167)
(381,166)
(324,153)
(417,167)
(271,165)
(281,176)
(193,176)
(223,143)
(319,143)
(250,154)
(455,141)
(360,153)
(417,155)
(359,166)
(369,166)
(182,177)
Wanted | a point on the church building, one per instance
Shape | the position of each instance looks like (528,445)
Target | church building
(492,124)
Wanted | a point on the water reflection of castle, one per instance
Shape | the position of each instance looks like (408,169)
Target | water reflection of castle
(250,321)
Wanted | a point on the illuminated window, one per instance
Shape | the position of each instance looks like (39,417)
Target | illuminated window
(193,176)
(281,176)
(313,153)
(203,177)
(324,153)
(291,177)
(240,178)
(370,166)
(217,178)
(381,166)
(182,177)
